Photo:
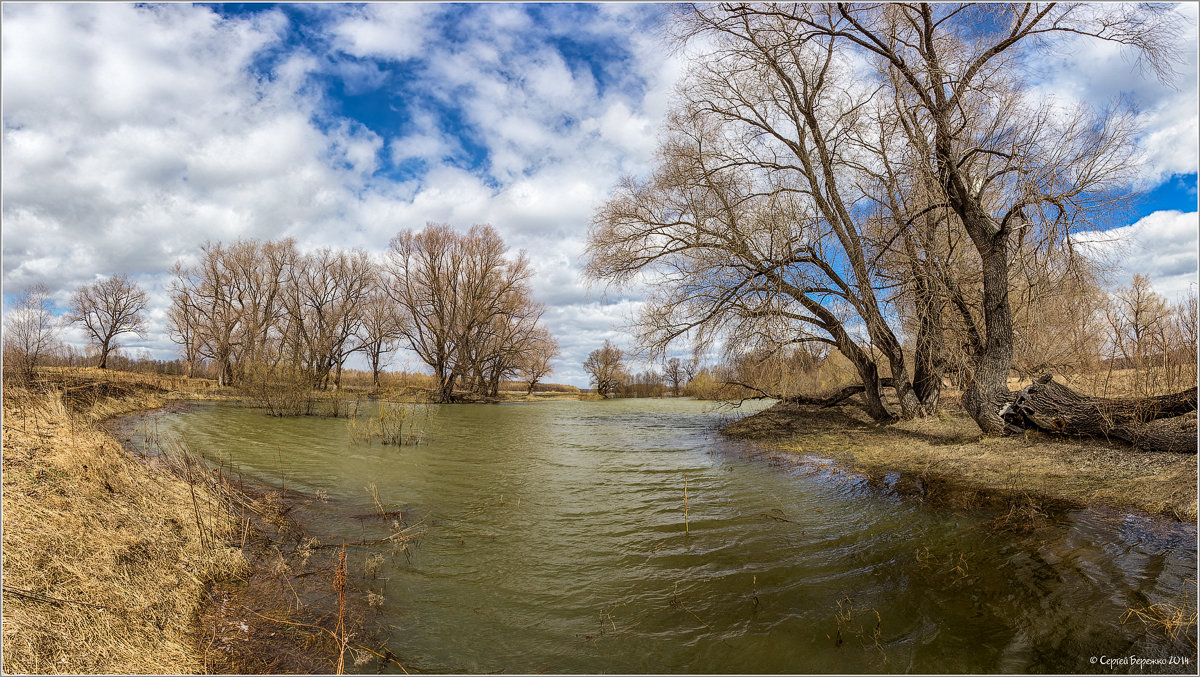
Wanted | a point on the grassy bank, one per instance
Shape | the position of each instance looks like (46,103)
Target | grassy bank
(105,558)
(116,561)
(945,458)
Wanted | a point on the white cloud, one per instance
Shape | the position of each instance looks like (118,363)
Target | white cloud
(133,134)
(393,30)
(1099,73)
(1162,246)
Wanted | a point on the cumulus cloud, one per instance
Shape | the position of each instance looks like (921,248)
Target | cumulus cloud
(132,134)
(1162,246)
(1099,73)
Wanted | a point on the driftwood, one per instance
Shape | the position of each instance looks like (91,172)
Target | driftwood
(1164,423)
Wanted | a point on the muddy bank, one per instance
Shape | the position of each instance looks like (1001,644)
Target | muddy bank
(945,459)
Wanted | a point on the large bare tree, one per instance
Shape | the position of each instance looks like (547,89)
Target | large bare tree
(108,308)
(809,131)
(465,305)
(534,364)
(1008,167)
(380,332)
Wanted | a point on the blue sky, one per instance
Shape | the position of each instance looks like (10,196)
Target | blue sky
(132,134)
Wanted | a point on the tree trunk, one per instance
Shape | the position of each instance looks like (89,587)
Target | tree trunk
(875,406)
(1164,423)
(987,391)
(836,398)
(103,356)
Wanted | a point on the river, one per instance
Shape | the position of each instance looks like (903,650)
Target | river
(554,536)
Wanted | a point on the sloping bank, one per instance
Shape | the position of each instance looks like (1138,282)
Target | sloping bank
(117,562)
(945,459)
(104,565)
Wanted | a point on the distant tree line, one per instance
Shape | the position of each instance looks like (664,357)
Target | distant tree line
(264,310)
(260,314)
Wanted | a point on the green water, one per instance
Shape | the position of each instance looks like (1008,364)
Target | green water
(553,537)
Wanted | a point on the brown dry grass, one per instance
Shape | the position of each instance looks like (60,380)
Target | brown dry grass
(104,564)
(945,457)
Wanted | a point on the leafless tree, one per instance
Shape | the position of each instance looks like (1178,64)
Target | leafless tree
(1006,167)
(466,305)
(1140,318)
(605,366)
(228,306)
(778,123)
(673,372)
(380,332)
(108,308)
(183,328)
(323,304)
(535,362)
(30,329)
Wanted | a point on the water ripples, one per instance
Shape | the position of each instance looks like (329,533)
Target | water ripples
(556,536)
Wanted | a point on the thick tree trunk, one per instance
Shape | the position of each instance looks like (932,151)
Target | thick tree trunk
(875,406)
(987,392)
(1165,423)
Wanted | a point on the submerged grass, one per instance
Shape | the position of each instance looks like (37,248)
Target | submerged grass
(945,458)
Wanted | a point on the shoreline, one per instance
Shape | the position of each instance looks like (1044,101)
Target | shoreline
(155,564)
(277,616)
(944,460)
(100,550)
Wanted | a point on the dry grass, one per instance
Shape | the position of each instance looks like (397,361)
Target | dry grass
(946,458)
(104,565)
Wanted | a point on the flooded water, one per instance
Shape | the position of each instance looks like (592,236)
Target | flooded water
(554,538)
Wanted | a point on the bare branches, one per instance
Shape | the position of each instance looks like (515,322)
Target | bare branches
(108,308)
(605,366)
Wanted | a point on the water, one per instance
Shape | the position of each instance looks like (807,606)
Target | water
(554,538)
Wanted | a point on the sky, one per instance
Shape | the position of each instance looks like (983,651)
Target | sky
(134,133)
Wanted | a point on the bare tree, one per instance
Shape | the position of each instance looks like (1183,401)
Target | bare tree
(228,306)
(466,306)
(606,368)
(380,332)
(183,328)
(107,309)
(30,329)
(1186,334)
(535,363)
(1007,168)
(673,372)
(1139,318)
(776,123)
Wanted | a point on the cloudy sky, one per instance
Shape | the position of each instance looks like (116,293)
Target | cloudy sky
(132,134)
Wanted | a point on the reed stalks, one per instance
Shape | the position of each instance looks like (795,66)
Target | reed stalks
(339,586)
(687,528)
(394,423)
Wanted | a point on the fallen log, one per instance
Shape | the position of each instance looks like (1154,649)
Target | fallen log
(1163,423)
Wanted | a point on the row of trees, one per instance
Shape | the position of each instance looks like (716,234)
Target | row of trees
(260,314)
(610,375)
(843,174)
(105,309)
(263,311)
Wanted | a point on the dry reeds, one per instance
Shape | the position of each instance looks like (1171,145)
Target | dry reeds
(394,423)
(1174,620)
(105,559)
